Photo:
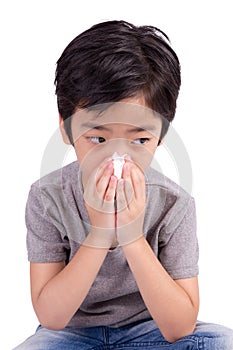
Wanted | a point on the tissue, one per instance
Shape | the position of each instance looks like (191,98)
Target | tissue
(118,162)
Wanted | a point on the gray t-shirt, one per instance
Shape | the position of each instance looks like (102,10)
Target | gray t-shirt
(57,224)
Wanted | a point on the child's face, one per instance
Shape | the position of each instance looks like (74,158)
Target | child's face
(126,127)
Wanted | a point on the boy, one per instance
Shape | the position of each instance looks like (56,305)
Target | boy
(114,252)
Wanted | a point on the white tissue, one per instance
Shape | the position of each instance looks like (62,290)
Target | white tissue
(118,162)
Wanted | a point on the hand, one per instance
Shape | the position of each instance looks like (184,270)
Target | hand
(99,196)
(130,203)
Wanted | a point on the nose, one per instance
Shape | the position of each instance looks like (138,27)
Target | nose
(119,145)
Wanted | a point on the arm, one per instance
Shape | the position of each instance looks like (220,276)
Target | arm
(58,290)
(173,304)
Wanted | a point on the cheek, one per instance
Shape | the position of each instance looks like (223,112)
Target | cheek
(143,157)
(90,158)
(85,154)
(80,150)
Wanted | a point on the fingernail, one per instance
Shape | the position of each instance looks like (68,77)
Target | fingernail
(121,183)
(127,157)
(109,166)
(127,166)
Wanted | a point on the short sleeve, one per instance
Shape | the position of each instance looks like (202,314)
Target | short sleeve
(178,245)
(44,241)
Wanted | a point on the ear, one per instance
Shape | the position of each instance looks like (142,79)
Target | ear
(160,142)
(63,131)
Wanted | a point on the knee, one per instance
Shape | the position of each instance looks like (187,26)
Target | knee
(21,347)
(214,337)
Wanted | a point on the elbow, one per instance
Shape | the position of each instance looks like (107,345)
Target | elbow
(51,323)
(53,326)
(50,320)
(173,336)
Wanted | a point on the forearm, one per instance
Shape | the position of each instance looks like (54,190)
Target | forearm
(63,294)
(65,288)
(168,304)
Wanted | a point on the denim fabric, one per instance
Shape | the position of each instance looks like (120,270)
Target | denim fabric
(139,335)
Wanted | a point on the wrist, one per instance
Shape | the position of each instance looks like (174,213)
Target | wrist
(135,247)
(125,235)
(100,237)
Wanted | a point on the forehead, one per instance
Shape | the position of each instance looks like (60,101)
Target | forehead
(123,113)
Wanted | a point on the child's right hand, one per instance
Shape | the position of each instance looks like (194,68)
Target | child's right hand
(99,196)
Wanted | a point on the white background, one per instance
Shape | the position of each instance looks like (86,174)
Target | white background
(33,35)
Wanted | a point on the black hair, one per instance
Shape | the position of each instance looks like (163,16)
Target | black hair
(114,60)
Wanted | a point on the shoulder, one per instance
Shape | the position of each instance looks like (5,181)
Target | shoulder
(60,177)
(167,198)
(59,186)
(157,180)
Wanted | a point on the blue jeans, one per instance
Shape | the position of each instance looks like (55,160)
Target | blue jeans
(139,335)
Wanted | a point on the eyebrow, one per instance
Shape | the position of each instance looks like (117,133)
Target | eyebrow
(135,129)
(142,128)
(94,126)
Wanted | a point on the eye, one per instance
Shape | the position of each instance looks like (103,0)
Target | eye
(141,141)
(96,139)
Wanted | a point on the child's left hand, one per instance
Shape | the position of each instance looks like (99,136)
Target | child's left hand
(131,203)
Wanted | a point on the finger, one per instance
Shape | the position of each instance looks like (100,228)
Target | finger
(138,182)
(129,189)
(129,192)
(111,190)
(120,196)
(102,183)
(103,166)
(126,171)
(134,184)
(92,194)
(96,175)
